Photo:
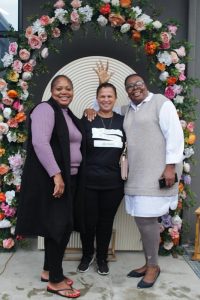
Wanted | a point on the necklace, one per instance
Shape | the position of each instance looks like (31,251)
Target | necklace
(110,123)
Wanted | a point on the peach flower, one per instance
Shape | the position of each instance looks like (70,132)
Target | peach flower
(125,3)
(3,84)
(8,243)
(76,4)
(20,117)
(55,32)
(35,42)
(2,152)
(29,32)
(116,20)
(3,169)
(24,54)
(45,20)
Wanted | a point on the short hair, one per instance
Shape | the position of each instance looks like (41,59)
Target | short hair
(131,75)
(57,78)
(106,85)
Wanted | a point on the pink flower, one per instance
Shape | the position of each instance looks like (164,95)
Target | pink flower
(35,42)
(165,45)
(180,67)
(43,36)
(29,32)
(74,17)
(180,51)
(15,161)
(7,100)
(13,48)
(8,211)
(27,67)
(177,89)
(3,84)
(17,66)
(172,29)
(174,56)
(190,126)
(182,77)
(165,38)
(8,243)
(23,84)
(45,20)
(174,233)
(24,54)
(76,3)
(55,32)
(59,4)
(169,92)
(16,105)
(139,25)
(45,53)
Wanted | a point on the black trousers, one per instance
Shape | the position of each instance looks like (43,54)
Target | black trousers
(54,251)
(101,207)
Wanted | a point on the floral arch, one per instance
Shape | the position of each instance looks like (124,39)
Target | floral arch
(167,62)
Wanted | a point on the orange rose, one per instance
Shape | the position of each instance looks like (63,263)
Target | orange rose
(2,152)
(150,47)
(4,169)
(12,93)
(171,80)
(2,216)
(180,187)
(160,66)
(136,35)
(125,3)
(175,241)
(116,20)
(12,123)
(191,139)
(2,197)
(20,117)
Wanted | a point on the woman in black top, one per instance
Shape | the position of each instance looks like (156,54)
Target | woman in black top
(104,186)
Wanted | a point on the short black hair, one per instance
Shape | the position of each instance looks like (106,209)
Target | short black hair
(131,75)
(105,85)
(58,77)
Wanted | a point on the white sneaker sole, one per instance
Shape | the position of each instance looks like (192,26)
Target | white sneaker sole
(81,271)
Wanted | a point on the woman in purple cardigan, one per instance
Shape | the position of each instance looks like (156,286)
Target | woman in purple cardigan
(52,183)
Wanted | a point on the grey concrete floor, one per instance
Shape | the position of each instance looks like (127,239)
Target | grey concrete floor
(20,279)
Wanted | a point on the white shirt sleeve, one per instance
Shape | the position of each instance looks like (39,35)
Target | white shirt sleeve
(171,128)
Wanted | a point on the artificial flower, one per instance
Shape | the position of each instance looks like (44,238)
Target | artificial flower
(116,20)
(13,76)
(8,243)
(24,54)
(102,21)
(125,3)
(136,35)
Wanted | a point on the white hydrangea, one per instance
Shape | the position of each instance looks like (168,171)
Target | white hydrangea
(125,28)
(145,19)
(163,76)
(37,27)
(137,10)
(86,12)
(179,99)
(60,15)
(102,20)
(115,2)
(7,60)
(165,58)
(188,152)
(10,195)
(157,24)
(7,112)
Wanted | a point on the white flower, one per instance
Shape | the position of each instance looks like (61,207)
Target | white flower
(157,24)
(145,19)
(86,13)
(7,60)
(125,28)
(106,1)
(137,10)
(24,95)
(165,58)
(11,136)
(60,15)
(102,20)
(168,245)
(177,88)
(9,196)
(188,152)
(115,2)
(163,76)
(180,67)
(3,128)
(176,220)
(186,167)
(45,52)
(7,112)
(27,76)
(37,27)
(183,124)
(179,99)
(12,230)
(5,224)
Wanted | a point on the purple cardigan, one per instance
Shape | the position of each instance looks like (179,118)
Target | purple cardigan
(42,126)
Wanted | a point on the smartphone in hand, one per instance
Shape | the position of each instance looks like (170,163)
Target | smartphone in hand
(162,182)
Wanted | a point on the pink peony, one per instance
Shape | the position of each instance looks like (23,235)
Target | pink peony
(59,4)
(45,20)
(24,54)
(172,29)
(27,67)
(17,66)
(7,100)
(74,17)
(174,57)
(55,32)
(13,48)
(8,243)
(169,92)
(16,105)
(35,42)
(23,84)
(43,36)
(29,32)
(180,51)
(76,3)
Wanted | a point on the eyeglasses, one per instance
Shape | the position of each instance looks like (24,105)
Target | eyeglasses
(131,86)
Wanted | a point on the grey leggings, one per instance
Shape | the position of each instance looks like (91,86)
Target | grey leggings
(150,235)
